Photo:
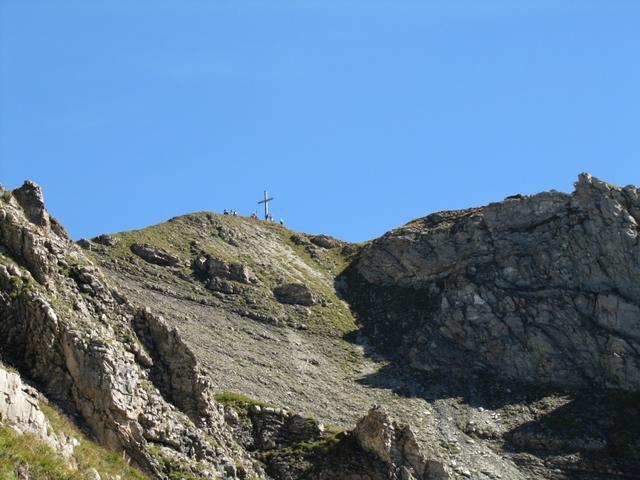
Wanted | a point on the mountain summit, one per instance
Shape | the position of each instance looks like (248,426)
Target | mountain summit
(494,342)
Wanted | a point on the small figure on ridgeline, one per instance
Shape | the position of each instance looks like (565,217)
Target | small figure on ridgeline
(226,212)
(234,213)
(254,216)
(281,221)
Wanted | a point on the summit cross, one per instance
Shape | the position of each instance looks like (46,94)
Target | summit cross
(266,201)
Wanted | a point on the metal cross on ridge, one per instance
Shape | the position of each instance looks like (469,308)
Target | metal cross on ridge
(266,204)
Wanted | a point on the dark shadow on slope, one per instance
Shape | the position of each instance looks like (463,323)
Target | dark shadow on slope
(453,372)
(476,388)
(593,436)
(596,435)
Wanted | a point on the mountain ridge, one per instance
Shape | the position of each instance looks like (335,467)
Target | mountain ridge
(205,312)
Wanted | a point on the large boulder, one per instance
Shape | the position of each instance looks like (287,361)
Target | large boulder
(295,294)
(543,289)
(211,267)
(155,255)
(325,241)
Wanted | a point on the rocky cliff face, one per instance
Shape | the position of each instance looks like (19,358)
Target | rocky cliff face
(543,289)
(498,342)
(68,331)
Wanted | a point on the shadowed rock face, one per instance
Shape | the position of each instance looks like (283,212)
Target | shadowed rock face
(543,289)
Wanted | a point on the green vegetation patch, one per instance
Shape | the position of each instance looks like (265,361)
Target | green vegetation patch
(33,455)
(302,456)
(19,285)
(167,236)
(238,401)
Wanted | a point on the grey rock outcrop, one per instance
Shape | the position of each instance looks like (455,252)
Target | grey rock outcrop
(154,255)
(106,240)
(396,446)
(30,198)
(325,241)
(543,289)
(277,428)
(295,294)
(20,409)
(175,371)
(215,269)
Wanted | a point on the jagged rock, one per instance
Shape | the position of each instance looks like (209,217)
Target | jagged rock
(157,256)
(28,243)
(58,229)
(542,288)
(227,235)
(106,240)
(295,294)
(325,241)
(176,372)
(396,446)
(88,279)
(30,198)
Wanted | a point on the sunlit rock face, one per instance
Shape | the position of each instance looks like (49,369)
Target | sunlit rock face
(543,289)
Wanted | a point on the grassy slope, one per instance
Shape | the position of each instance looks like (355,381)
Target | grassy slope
(45,464)
(265,247)
(33,454)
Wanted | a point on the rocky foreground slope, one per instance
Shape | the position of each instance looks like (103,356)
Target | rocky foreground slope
(504,340)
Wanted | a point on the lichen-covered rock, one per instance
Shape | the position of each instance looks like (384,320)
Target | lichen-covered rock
(543,288)
(295,294)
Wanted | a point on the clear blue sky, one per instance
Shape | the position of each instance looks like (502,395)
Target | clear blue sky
(356,115)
